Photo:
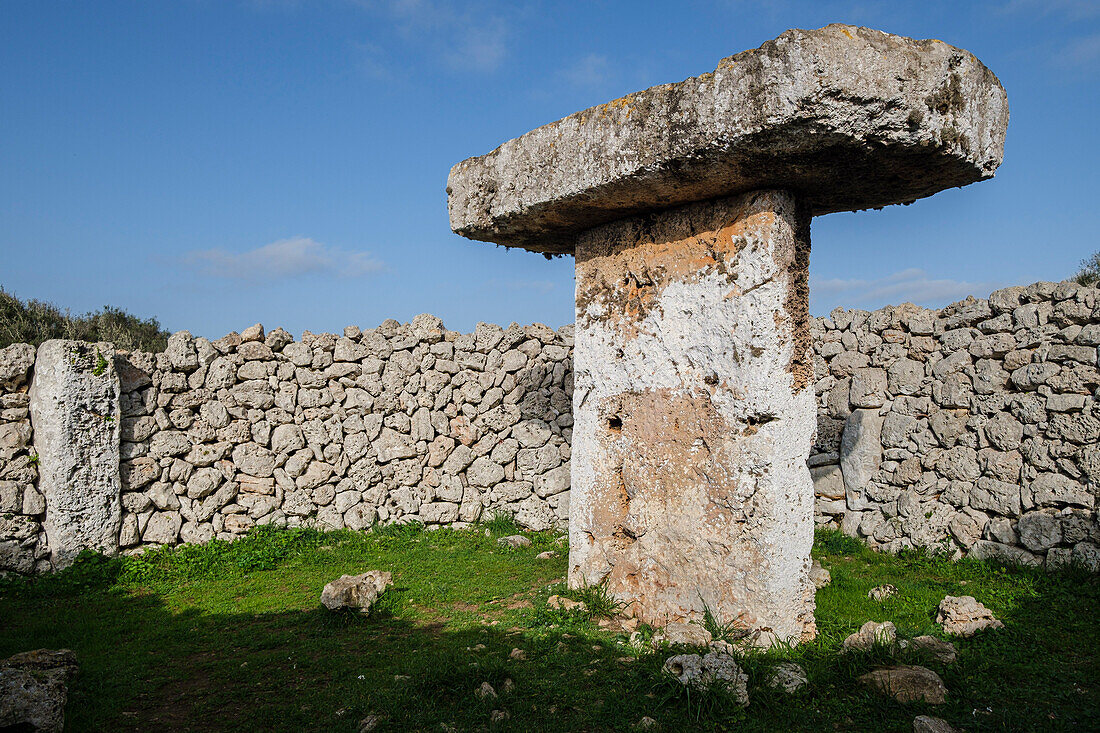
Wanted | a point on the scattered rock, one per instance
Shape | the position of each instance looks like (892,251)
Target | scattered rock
(711,669)
(498,715)
(34,687)
(682,633)
(928,724)
(518,655)
(882,592)
(357,592)
(871,634)
(646,723)
(369,723)
(940,650)
(485,691)
(565,604)
(788,677)
(507,686)
(907,683)
(819,576)
(964,616)
(549,554)
(515,540)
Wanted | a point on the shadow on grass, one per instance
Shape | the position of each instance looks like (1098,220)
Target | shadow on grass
(145,666)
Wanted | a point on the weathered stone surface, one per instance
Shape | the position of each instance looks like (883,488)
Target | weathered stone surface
(870,635)
(819,576)
(788,676)
(852,118)
(964,616)
(713,669)
(34,687)
(356,592)
(860,453)
(928,724)
(693,422)
(74,407)
(907,683)
(942,651)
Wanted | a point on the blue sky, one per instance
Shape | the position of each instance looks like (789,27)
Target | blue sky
(215,163)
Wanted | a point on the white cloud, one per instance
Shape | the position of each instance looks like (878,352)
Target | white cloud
(466,36)
(1080,53)
(285,258)
(592,70)
(913,285)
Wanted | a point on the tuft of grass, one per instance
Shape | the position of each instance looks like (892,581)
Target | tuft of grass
(721,631)
(501,524)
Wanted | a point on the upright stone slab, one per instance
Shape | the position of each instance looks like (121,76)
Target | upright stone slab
(687,206)
(693,373)
(74,405)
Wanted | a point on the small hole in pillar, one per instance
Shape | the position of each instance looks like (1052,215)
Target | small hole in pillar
(615,424)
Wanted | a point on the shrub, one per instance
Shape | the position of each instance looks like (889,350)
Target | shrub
(1089,274)
(35,321)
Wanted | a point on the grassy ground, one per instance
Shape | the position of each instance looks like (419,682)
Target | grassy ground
(232,638)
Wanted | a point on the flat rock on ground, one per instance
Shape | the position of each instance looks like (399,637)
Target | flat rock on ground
(928,724)
(907,683)
(871,634)
(356,592)
(819,576)
(34,687)
(940,650)
(702,672)
(882,592)
(788,677)
(965,616)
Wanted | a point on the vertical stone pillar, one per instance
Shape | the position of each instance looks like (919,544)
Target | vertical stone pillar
(695,412)
(74,406)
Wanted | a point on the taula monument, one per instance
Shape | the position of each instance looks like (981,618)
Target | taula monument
(688,207)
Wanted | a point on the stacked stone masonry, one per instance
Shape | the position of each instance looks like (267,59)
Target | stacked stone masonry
(974,429)
(23,546)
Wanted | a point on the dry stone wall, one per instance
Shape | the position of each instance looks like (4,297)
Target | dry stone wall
(975,428)
(23,545)
(398,423)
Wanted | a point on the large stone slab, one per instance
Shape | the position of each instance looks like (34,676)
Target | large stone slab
(74,405)
(847,117)
(694,409)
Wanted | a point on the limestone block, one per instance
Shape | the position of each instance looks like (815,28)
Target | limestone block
(74,406)
(694,414)
(860,453)
(850,117)
(868,387)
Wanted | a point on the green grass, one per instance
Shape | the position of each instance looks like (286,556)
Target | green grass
(231,637)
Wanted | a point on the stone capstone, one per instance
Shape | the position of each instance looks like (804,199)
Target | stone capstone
(852,118)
